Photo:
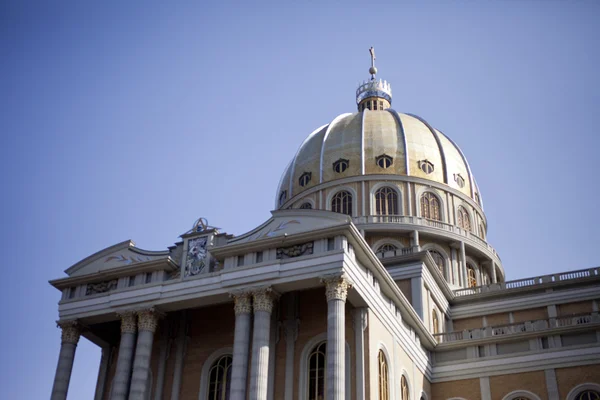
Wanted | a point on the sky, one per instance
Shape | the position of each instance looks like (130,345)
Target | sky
(129,120)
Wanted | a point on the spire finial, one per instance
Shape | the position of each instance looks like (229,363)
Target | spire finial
(372,70)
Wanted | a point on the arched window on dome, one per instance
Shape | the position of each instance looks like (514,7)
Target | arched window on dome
(482,231)
(306,206)
(384,385)
(341,203)
(220,379)
(471,277)
(462,218)
(386,201)
(386,248)
(404,392)
(438,259)
(435,322)
(430,206)
(588,395)
(316,372)
(282,197)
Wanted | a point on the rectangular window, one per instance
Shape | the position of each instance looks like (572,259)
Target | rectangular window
(149,277)
(240,261)
(481,351)
(131,281)
(381,105)
(330,244)
(545,344)
(72,292)
(259,256)
(374,105)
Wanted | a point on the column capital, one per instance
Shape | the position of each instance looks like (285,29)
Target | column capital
(148,319)
(336,286)
(263,299)
(71,331)
(242,302)
(128,321)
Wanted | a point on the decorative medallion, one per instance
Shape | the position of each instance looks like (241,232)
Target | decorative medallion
(196,256)
(101,287)
(71,331)
(295,251)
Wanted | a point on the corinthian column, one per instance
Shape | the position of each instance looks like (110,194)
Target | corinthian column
(259,378)
(147,323)
(120,386)
(336,291)
(69,338)
(241,345)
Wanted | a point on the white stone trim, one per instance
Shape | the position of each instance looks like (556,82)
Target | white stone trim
(303,376)
(340,189)
(484,388)
(392,185)
(517,393)
(203,393)
(423,396)
(579,388)
(427,189)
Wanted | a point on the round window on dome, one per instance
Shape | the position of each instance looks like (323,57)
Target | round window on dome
(340,165)
(305,178)
(426,166)
(384,161)
(460,181)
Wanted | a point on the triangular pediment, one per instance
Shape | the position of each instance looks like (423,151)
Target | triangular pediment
(119,255)
(291,222)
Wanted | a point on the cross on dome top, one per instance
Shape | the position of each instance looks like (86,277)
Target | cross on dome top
(373,94)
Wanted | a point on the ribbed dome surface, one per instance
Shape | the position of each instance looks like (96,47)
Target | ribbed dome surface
(362,137)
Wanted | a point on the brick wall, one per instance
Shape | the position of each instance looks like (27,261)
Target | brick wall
(534,382)
(568,378)
(466,388)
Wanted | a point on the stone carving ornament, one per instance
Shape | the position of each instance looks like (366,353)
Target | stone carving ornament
(196,256)
(243,303)
(336,287)
(128,322)
(101,287)
(263,300)
(148,320)
(295,251)
(71,331)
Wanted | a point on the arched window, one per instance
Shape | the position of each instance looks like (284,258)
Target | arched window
(384,386)
(435,322)
(316,372)
(482,231)
(282,197)
(220,379)
(386,247)
(306,206)
(342,203)
(384,161)
(471,278)
(386,201)
(588,395)
(463,219)
(430,206)
(439,260)
(485,278)
(404,388)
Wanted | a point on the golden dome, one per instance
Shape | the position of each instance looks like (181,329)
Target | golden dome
(376,143)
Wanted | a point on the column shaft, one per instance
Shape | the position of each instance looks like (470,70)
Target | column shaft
(360,324)
(120,385)
(102,372)
(336,292)
(179,355)
(241,345)
(147,322)
(259,378)
(165,343)
(62,377)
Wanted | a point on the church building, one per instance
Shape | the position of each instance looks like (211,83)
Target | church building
(372,280)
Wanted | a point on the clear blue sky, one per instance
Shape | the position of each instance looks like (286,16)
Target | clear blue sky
(131,119)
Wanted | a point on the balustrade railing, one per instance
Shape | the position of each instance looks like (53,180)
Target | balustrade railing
(529,282)
(520,327)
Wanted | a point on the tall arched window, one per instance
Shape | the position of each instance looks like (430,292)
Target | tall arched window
(430,206)
(588,395)
(463,219)
(404,388)
(384,386)
(386,247)
(386,201)
(435,322)
(220,379)
(439,260)
(342,203)
(316,372)
(471,278)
